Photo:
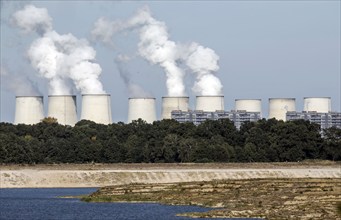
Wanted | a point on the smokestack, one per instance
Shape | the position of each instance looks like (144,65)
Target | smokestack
(173,103)
(63,108)
(143,108)
(29,109)
(249,105)
(317,104)
(278,107)
(97,108)
(210,103)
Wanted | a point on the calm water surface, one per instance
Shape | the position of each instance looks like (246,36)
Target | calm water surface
(45,204)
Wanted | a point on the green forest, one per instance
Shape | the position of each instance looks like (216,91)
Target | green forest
(167,141)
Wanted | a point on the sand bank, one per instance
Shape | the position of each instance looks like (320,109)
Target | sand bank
(98,176)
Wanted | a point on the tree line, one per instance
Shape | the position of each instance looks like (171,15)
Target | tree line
(167,141)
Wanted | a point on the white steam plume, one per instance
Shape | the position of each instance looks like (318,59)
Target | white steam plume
(204,63)
(134,90)
(156,47)
(59,58)
(47,60)
(17,84)
(33,19)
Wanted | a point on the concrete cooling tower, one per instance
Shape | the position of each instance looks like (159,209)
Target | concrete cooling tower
(28,109)
(249,105)
(210,103)
(321,104)
(173,103)
(143,108)
(63,108)
(278,107)
(97,108)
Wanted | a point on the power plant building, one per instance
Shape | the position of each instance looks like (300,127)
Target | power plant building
(325,120)
(28,109)
(317,104)
(198,117)
(63,108)
(278,107)
(143,108)
(248,105)
(170,104)
(317,110)
(209,103)
(212,108)
(97,108)
(240,117)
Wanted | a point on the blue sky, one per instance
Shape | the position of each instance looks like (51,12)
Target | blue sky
(267,49)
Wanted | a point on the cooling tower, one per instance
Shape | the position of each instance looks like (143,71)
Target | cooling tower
(249,105)
(321,104)
(63,108)
(28,109)
(143,108)
(97,108)
(210,103)
(173,103)
(278,107)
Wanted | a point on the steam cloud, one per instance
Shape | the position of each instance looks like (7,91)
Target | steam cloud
(155,46)
(59,58)
(17,83)
(134,90)
(204,63)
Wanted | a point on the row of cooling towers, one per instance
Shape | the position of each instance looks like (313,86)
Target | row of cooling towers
(30,109)
(97,108)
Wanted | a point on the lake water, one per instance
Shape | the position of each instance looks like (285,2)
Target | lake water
(44,204)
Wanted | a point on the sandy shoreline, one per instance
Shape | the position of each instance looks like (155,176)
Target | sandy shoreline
(50,176)
(162,166)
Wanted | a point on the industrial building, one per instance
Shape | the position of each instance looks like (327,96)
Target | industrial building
(63,108)
(317,110)
(198,117)
(249,105)
(278,107)
(97,108)
(317,104)
(143,108)
(28,109)
(210,103)
(173,103)
(325,120)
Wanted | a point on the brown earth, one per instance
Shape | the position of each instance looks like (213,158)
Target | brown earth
(284,198)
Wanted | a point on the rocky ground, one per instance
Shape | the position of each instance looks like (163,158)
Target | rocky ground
(304,198)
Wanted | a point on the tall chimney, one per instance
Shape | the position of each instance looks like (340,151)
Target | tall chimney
(28,109)
(63,108)
(143,108)
(97,108)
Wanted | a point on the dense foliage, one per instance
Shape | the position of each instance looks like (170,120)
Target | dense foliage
(167,141)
